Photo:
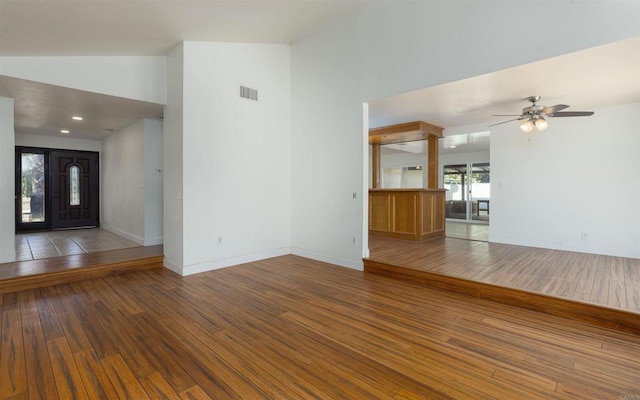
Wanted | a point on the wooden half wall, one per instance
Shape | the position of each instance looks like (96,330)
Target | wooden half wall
(410,214)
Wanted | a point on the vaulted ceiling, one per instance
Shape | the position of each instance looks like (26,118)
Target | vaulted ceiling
(153,27)
(590,78)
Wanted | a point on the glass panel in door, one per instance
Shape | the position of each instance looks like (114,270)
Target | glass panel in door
(32,187)
(455,181)
(480,191)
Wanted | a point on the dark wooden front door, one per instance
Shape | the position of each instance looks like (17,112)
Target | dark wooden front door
(74,189)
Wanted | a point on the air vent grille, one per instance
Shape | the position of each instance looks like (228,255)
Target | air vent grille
(248,93)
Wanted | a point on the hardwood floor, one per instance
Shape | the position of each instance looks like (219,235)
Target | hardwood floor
(290,327)
(21,275)
(607,281)
(590,288)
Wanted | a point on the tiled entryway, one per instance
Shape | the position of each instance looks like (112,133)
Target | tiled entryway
(33,246)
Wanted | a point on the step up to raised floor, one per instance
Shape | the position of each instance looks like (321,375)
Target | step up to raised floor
(585,312)
(24,275)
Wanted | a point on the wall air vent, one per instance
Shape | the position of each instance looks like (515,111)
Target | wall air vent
(248,93)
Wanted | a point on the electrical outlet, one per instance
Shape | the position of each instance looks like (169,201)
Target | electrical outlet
(355,195)
(354,240)
(219,240)
(584,236)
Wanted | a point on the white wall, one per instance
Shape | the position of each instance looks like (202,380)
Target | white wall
(173,156)
(153,182)
(131,182)
(581,175)
(7,177)
(236,154)
(423,44)
(407,159)
(122,182)
(139,78)
(53,142)
(328,146)
(403,160)
(462,158)
(427,43)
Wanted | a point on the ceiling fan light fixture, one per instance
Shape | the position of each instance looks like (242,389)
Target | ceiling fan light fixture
(534,115)
(541,123)
(527,125)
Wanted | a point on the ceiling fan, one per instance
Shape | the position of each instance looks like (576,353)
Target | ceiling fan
(536,115)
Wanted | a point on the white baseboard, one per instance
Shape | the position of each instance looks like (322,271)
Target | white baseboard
(357,265)
(228,262)
(171,266)
(606,251)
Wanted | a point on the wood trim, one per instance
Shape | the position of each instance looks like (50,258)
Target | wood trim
(375,165)
(78,274)
(23,275)
(571,309)
(407,132)
(432,162)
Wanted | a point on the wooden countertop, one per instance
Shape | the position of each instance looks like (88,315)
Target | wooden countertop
(407,190)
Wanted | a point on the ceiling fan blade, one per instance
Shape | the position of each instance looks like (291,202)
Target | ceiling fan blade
(553,109)
(506,115)
(504,122)
(571,114)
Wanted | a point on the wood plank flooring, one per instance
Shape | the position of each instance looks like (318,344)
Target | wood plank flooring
(290,328)
(21,275)
(612,282)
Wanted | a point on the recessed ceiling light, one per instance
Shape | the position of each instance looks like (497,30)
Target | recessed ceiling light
(64,131)
(77,118)
(452,147)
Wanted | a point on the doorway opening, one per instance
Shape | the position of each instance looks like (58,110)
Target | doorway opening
(56,189)
(468,201)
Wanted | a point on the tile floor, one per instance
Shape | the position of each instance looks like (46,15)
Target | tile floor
(33,246)
(469,231)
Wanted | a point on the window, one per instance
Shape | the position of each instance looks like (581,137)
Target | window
(74,186)
(32,188)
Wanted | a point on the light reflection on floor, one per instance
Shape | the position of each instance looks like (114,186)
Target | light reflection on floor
(469,231)
(38,245)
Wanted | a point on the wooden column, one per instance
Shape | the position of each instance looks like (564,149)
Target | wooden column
(375,165)
(432,162)
(407,132)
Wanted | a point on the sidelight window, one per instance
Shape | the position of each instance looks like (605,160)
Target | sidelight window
(32,188)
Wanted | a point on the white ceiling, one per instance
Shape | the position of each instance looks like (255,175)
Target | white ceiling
(132,27)
(596,77)
(152,27)
(591,78)
(42,109)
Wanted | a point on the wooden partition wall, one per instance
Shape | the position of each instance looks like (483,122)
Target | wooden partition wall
(411,214)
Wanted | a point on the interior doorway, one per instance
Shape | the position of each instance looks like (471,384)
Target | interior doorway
(56,189)
(468,191)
